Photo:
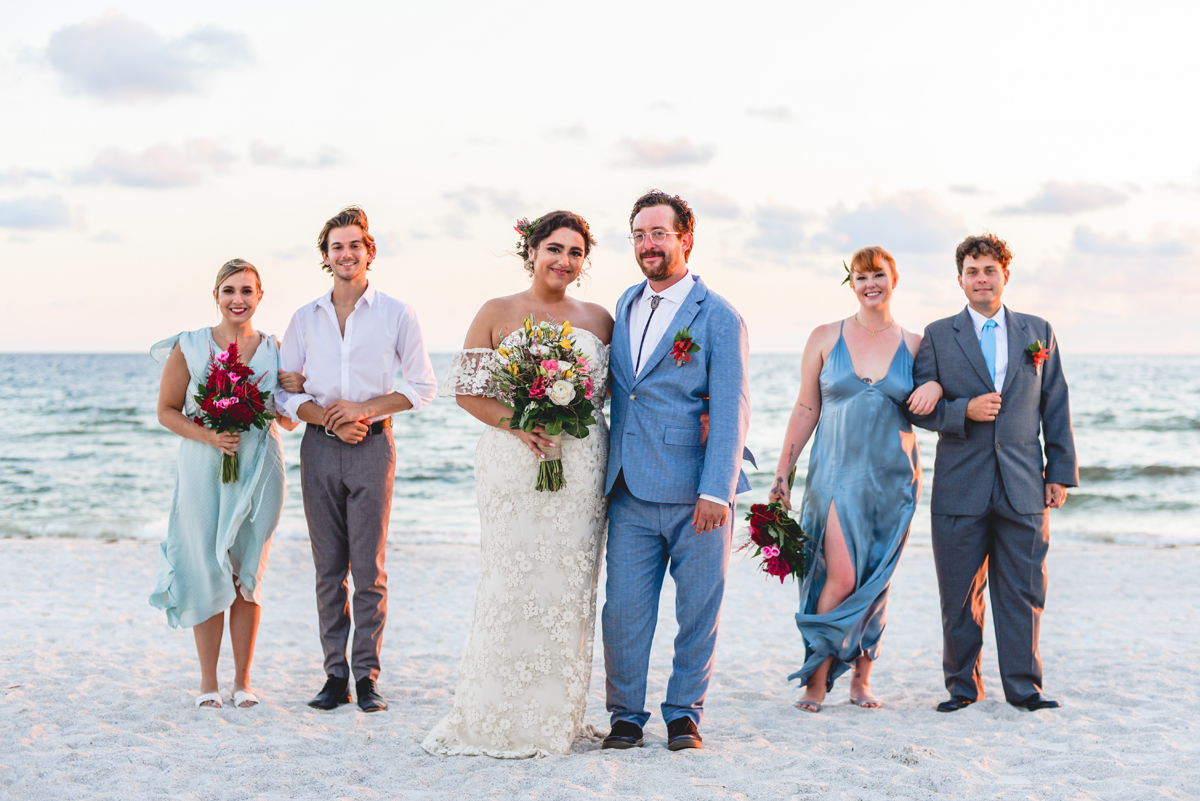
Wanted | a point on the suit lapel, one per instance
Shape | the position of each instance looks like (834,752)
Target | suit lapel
(620,360)
(969,342)
(1016,345)
(683,318)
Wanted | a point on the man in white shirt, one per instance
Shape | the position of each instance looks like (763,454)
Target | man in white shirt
(349,344)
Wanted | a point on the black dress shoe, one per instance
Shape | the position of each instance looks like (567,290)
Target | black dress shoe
(1037,701)
(682,733)
(623,735)
(335,693)
(369,699)
(955,703)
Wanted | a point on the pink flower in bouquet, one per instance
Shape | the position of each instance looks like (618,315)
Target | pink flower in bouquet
(223,356)
(771,551)
(582,367)
(587,387)
(550,365)
(233,379)
(538,388)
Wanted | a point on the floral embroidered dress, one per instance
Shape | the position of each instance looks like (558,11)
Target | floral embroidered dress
(527,665)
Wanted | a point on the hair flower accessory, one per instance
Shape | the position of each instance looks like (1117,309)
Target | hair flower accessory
(846,267)
(1037,353)
(524,228)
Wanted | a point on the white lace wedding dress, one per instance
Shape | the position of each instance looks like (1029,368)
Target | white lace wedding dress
(525,671)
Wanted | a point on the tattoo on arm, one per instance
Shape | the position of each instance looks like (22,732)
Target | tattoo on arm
(802,406)
(778,485)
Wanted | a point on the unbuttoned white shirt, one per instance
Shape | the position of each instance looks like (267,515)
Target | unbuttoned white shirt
(1001,341)
(639,312)
(382,338)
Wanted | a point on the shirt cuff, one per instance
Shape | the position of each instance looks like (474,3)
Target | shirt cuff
(721,501)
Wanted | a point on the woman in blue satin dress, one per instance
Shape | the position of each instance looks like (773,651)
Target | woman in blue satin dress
(864,477)
(219,535)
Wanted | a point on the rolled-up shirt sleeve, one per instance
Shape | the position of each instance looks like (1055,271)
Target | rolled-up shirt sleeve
(420,384)
(291,360)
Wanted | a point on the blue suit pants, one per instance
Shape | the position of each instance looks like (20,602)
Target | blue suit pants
(644,540)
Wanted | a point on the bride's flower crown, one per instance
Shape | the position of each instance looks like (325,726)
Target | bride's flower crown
(524,228)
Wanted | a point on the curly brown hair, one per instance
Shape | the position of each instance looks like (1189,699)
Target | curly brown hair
(351,215)
(685,221)
(549,223)
(986,244)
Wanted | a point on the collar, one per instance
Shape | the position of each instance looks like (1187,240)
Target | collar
(676,293)
(978,319)
(368,297)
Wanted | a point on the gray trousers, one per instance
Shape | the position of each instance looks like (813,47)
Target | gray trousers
(347,501)
(1007,550)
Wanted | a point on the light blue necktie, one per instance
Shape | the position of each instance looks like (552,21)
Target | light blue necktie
(987,342)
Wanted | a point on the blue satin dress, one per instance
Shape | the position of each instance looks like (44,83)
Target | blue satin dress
(864,462)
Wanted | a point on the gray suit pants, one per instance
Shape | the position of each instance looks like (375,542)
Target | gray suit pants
(1008,550)
(347,501)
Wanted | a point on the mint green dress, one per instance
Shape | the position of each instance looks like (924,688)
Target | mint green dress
(219,535)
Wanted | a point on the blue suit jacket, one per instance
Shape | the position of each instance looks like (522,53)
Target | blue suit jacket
(969,453)
(678,432)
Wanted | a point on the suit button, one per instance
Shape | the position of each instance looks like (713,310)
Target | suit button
(633,397)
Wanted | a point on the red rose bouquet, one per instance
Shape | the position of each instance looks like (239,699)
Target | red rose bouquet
(230,401)
(544,380)
(777,539)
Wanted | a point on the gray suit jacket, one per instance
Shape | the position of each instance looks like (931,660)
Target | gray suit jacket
(970,452)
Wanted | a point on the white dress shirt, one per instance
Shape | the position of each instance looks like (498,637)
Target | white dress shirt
(382,337)
(639,312)
(1001,341)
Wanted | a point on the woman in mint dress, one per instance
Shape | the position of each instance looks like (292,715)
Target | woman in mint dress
(864,478)
(219,535)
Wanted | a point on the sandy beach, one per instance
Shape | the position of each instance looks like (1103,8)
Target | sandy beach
(97,693)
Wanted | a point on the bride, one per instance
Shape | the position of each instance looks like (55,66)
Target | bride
(525,671)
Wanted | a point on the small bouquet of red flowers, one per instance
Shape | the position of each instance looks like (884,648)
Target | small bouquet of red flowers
(230,401)
(777,539)
(1038,353)
(684,347)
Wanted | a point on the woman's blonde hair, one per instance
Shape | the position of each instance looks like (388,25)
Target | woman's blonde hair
(232,268)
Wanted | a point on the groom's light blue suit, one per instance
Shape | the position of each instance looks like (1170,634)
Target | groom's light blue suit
(677,432)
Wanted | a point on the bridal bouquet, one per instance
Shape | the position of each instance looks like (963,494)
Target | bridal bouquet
(777,539)
(545,381)
(229,401)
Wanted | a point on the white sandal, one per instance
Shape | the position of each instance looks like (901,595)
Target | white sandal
(240,697)
(205,698)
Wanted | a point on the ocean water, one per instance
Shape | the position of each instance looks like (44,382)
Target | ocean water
(82,453)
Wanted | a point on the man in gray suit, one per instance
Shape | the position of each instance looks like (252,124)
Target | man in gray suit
(1003,384)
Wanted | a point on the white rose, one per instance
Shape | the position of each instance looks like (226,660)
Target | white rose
(562,393)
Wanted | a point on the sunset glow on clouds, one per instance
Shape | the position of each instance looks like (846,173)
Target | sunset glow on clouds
(148,143)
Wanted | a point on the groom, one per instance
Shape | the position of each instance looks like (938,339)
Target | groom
(991,489)
(680,410)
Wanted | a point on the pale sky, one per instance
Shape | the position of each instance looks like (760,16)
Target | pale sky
(146,143)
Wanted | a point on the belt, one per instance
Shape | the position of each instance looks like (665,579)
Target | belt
(375,428)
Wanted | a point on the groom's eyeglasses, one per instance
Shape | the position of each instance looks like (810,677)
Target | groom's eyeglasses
(657,236)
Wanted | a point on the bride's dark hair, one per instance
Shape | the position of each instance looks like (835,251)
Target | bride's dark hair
(532,234)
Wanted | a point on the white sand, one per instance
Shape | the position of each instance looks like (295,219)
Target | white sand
(97,693)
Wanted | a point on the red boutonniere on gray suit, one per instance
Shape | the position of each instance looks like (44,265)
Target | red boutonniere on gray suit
(1038,354)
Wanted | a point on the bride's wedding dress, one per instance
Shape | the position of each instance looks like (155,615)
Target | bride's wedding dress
(525,671)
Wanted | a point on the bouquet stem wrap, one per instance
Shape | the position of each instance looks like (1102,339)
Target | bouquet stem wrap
(230,474)
(550,471)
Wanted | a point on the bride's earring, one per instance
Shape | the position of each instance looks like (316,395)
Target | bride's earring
(579,280)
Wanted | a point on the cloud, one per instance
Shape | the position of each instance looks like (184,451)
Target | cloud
(116,58)
(1060,198)
(160,167)
(966,189)
(780,229)
(657,153)
(18,177)
(576,132)
(297,252)
(711,203)
(107,238)
(34,212)
(475,200)
(773,114)
(1162,242)
(908,222)
(274,156)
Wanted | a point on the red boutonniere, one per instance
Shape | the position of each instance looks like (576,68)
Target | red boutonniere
(684,347)
(1038,353)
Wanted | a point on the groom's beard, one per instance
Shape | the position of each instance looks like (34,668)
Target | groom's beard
(663,269)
